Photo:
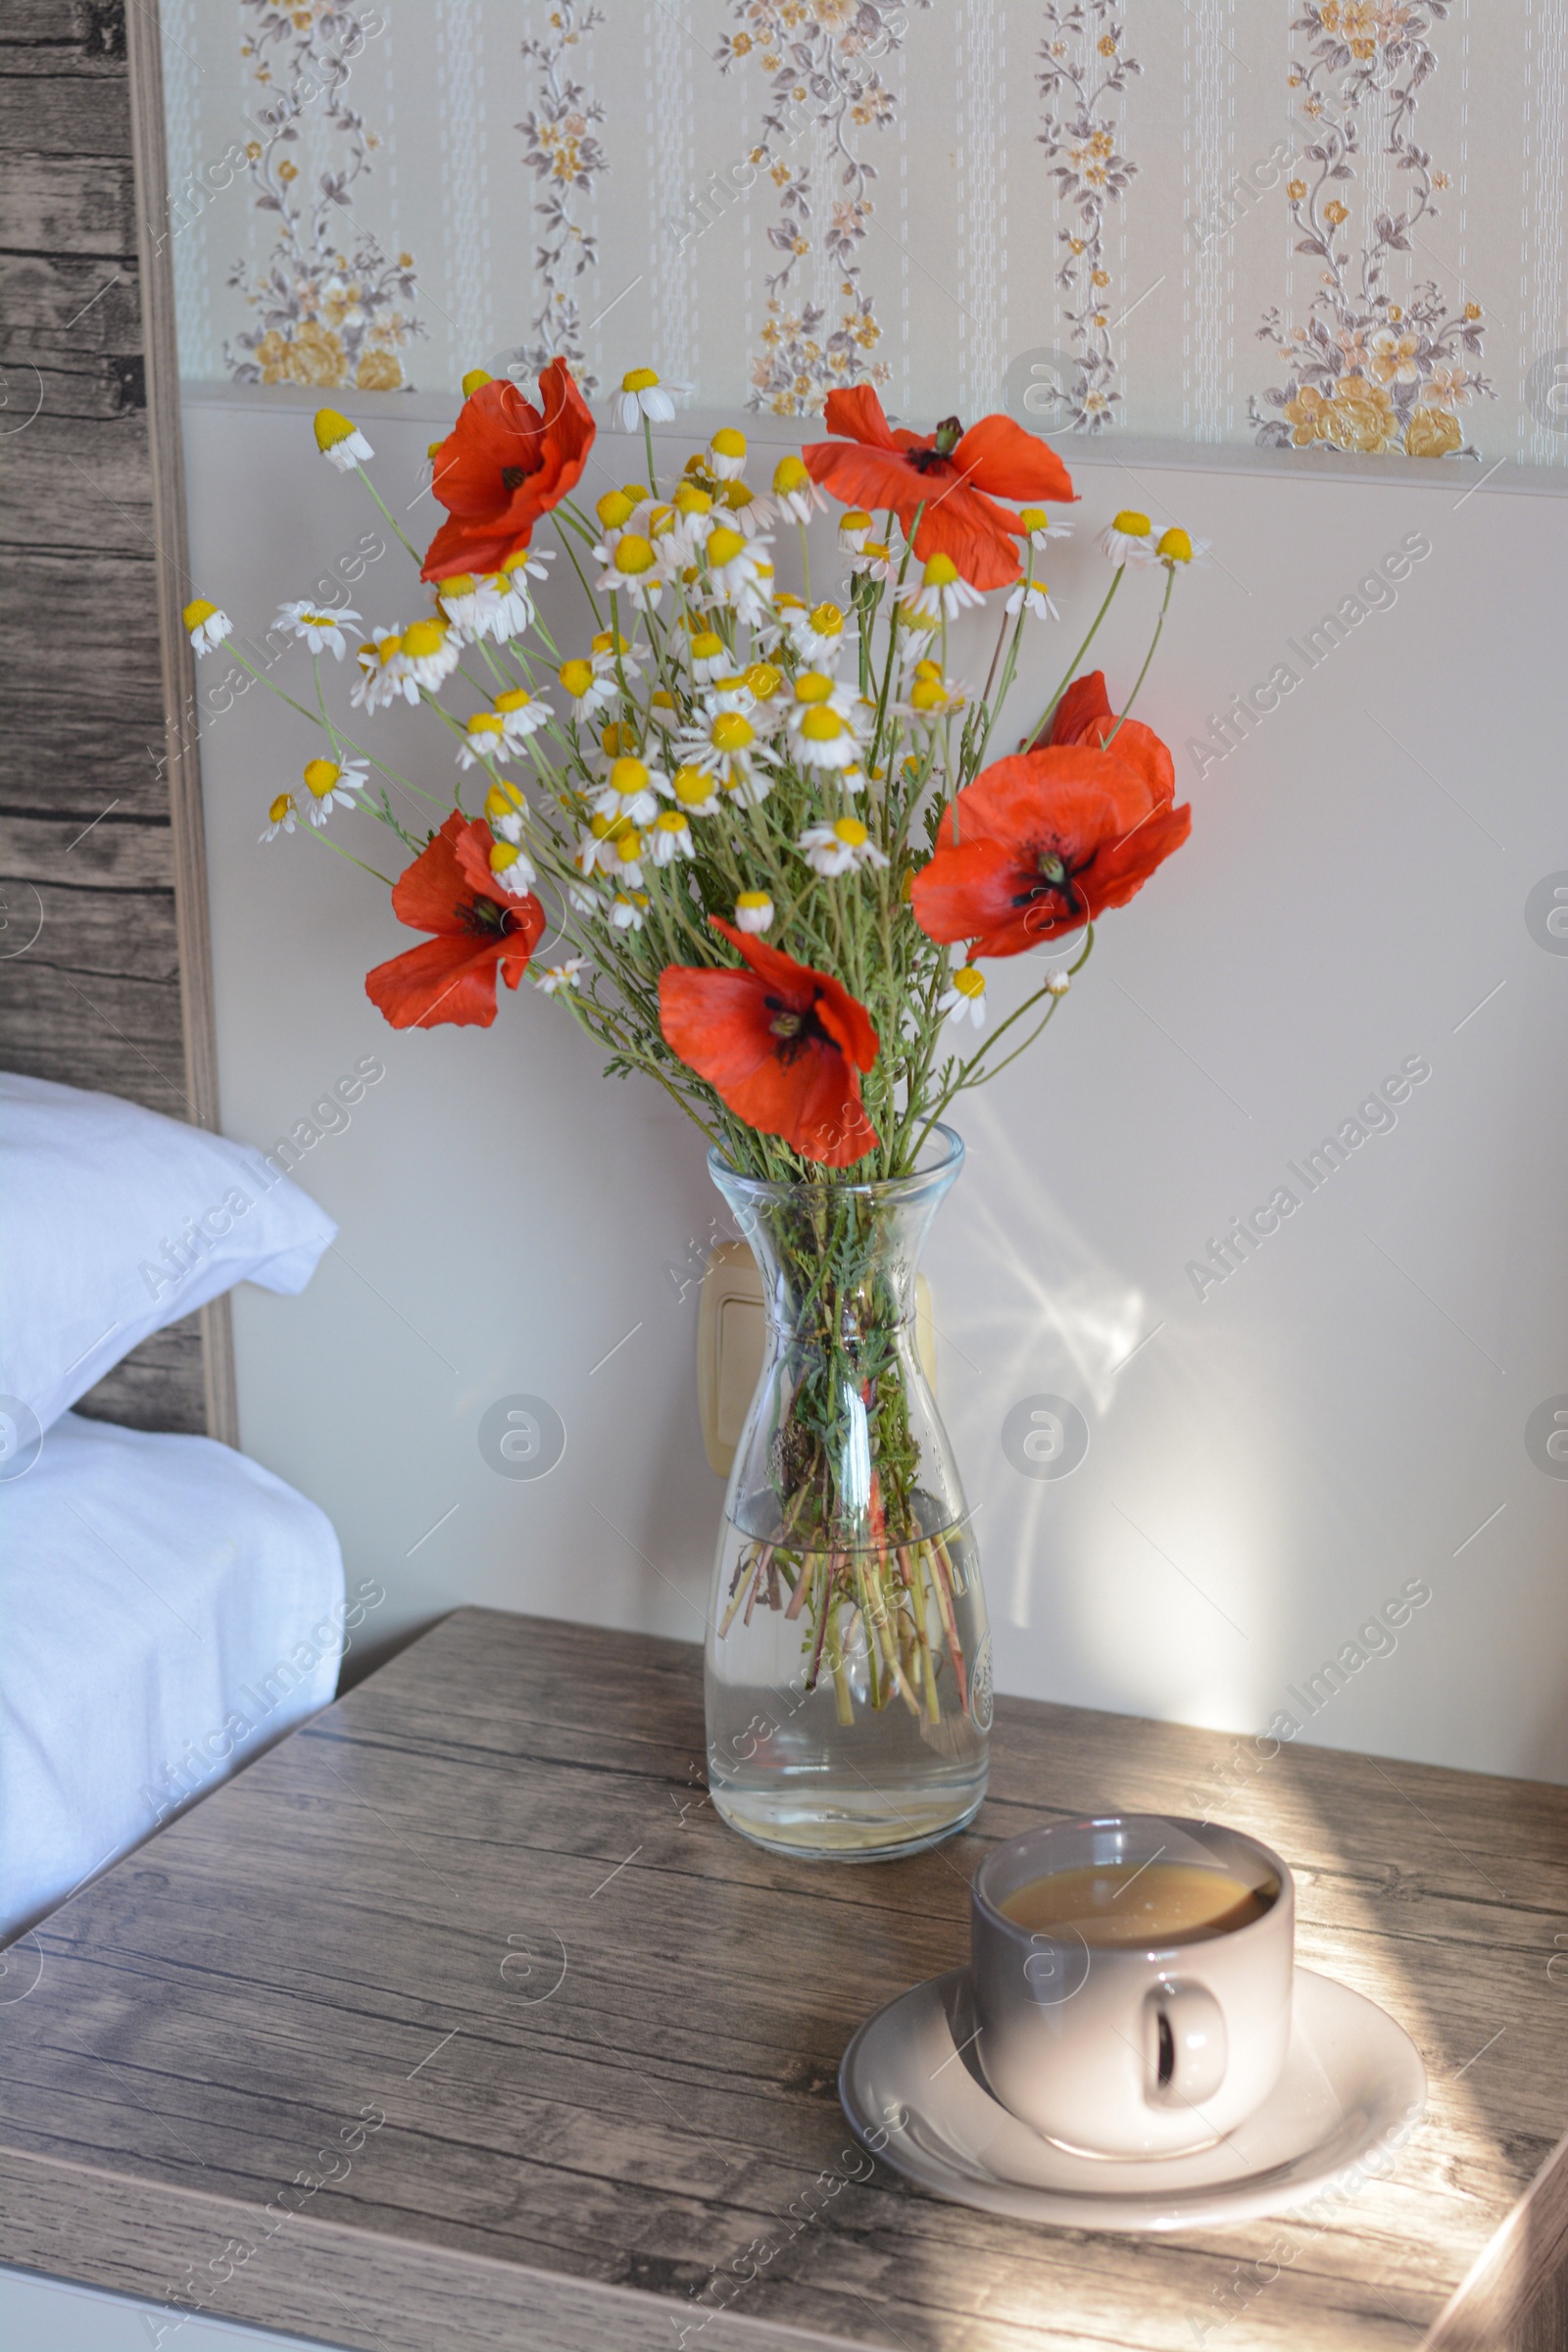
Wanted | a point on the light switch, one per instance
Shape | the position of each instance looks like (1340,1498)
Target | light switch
(731,1332)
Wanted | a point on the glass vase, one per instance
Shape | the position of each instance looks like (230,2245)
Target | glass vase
(847,1654)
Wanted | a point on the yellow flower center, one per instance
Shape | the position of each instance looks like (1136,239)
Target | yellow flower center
(670,820)
(633,553)
(608,642)
(692,500)
(484,723)
(732,732)
(706,647)
(613,508)
(516,697)
(639,379)
(763,680)
(812,687)
(821,725)
(857,519)
(503,853)
(927,694)
(503,800)
(280,807)
(459,584)
(196,611)
(628,777)
(692,787)
(829,621)
(737,496)
(616,740)
(1132,524)
(1176,545)
(755,902)
(423,638)
(940,572)
(331,427)
(850,832)
(576,677)
(628,846)
(662,698)
(728,443)
(1032,519)
(790,474)
(388,647)
(320,776)
(723,546)
(969,982)
(515,561)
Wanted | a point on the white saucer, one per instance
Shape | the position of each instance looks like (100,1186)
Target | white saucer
(1353,2085)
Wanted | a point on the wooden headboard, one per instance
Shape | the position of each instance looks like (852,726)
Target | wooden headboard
(105,959)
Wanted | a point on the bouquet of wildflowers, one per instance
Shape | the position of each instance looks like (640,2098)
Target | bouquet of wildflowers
(764,829)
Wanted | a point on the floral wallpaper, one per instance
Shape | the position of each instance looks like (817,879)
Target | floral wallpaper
(1306,224)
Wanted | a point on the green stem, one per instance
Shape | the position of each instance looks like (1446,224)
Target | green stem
(1148,657)
(1035,732)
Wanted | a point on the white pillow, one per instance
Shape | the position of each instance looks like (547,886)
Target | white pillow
(116,1222)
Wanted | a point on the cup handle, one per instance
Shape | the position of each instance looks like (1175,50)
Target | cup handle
(1184,2044)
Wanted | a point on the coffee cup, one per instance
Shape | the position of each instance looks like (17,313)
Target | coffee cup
(1132,1979)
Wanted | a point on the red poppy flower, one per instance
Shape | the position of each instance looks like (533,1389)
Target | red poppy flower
(1084,715)
(479,928)
(955,476)
(1085,701)
(1050,839)
(782,1045)
(502,465)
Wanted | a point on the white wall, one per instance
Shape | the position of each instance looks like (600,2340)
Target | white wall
(1283,1456)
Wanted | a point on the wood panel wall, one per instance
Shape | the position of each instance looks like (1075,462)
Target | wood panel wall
(105,969)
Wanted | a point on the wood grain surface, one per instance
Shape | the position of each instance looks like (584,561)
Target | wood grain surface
(483,1898)
(105,968)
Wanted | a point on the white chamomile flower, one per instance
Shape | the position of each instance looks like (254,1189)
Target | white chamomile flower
(941,593)
(743,509)
(521,714)
(795,497)
(206,626)
(670,836)
(726,454)
(965,997)
(333,786)
(340,440)
(693,789)
(379,680)
(741,571)
(321,631)
(768,708)
(1177,546)
(280,816)
(429,654)
(754,911)
(484,737)
(504,809)
(1034,598)
(555,976)
(932,697)
(874,559)
(630,568)
(583,901)
(512,867)
(641,395)
(693,519)
(1058,982)
(1041,529)
(916,635)
(628,910)
(1130,539)
(837,848)
(856,527)
(513,612)
(826,739)
(721,747)
(466,604)
(628,791)
(710,656)
(589,690)
(611,656)
(819,636)
(815,690)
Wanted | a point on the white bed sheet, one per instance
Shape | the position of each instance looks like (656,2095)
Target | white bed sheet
(168,1609)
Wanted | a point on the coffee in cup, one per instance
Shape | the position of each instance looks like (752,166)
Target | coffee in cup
(1132,1980)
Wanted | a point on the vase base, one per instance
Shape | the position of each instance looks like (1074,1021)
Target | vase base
(808,1830)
